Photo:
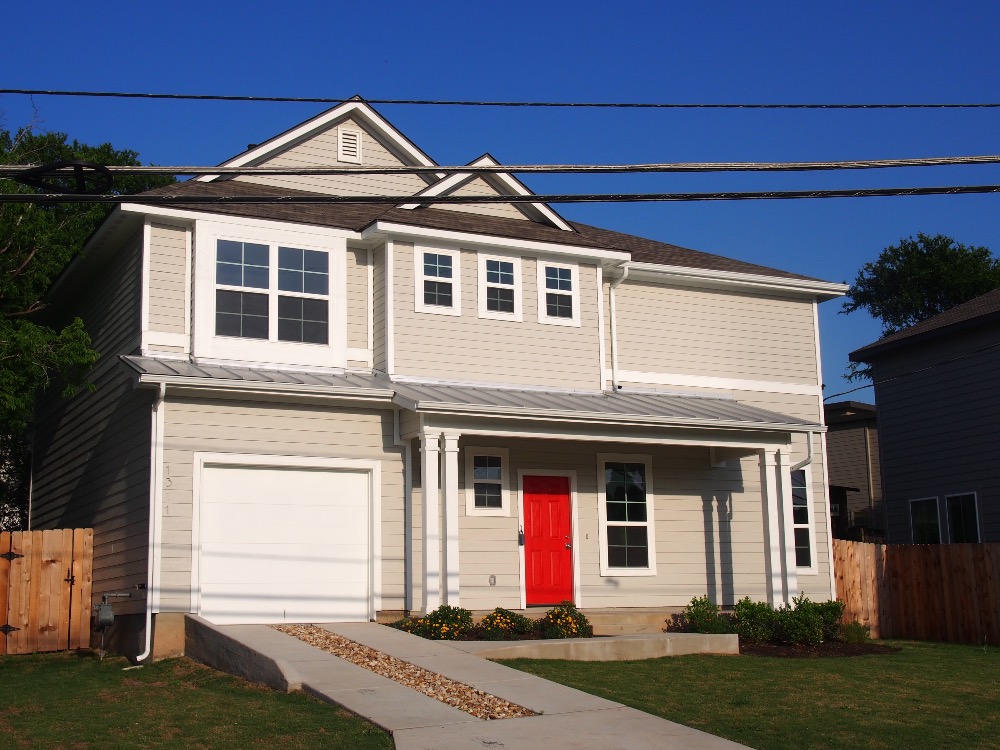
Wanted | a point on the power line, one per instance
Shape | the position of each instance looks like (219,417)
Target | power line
(166,199)
(13,171)
(473,103)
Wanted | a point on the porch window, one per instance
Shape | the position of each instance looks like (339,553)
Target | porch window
(627,545)
(800,520)
(925,525)
(963,521)
(438,284)
(486,487)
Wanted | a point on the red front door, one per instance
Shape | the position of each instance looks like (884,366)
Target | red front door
(548,537)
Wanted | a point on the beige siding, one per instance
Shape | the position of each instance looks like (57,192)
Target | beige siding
(378,303)
(321,150)
(234,426)
(167,278)
(478,187)
(467,347)
(720,334)
(357,299)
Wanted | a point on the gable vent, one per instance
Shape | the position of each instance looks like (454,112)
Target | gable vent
(349,146)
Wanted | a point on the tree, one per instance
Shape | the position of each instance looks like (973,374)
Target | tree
(916,279)
(37,241)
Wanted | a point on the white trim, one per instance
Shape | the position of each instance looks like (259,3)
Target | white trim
(467,239)
(574,530)
(601,351)
(390,316)
(821,418)
(243,222)
(574,293)
(792,568)
(829,524)
(309,128)
(771,513)
(355,133)
(370,304)
(449,502)
(602,514)
(201,459)
(710,278)
(146,251)
(975,501)
(518,314)
(937,506)
(188,290)
(419,278)
(409,560)
(471,452)
(679,380)
(430,474)
(359,355)
(261,388)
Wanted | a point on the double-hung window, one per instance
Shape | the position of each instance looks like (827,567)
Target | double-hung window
(963,521)
(925,524)
(487,490)
(243,279)
(558,294)
(626,516)
(437,276)
(500,288)
(801,527)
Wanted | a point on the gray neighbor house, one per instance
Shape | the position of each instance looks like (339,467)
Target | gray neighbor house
(315,411)
(937,389)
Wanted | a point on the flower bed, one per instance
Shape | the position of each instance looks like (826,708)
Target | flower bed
(455,624)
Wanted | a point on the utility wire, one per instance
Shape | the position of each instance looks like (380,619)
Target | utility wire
(472,103)
(13,171)
(167,199)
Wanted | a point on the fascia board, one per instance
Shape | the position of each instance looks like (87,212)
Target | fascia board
(253,387)
(306,129)
(820,290)
(182,215)
(609,257)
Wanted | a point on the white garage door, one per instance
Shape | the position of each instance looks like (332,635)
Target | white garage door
(284,544)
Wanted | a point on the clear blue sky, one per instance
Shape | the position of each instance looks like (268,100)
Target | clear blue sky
(915,51)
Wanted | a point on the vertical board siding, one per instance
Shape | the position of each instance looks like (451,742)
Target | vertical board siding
(233,426)
(357,299)
(478,187)
(932,592)
(467,347)
(168,279)
(321,151)
(45,590)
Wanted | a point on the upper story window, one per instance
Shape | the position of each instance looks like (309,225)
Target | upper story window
(500,288)
(487,490)
(626,516)
(558,294)
(269,296)
(437,277)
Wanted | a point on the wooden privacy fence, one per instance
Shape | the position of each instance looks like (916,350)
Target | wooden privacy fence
(45,580)
(927,592)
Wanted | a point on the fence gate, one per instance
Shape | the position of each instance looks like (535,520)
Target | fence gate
(45,580)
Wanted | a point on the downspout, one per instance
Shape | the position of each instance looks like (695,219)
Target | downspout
(155,504)
(615,387)
(809,456)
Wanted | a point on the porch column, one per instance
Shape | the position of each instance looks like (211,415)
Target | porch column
(430,468)
(788,523)
(449,487)
(772,525)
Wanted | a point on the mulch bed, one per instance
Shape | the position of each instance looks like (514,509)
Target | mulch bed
(827,649)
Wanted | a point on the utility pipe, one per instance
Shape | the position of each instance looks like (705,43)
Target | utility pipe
(614,328)
(155,504)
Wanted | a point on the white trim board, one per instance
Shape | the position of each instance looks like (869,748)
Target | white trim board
(679,380)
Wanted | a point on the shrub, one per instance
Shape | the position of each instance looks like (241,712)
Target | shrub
(703,616)
(799,625)
(831,613)
(565,621)
(443,624)
(754,621)
(502,625)
(855,632)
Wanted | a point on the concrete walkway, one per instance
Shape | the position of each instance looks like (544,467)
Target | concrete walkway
(569,719)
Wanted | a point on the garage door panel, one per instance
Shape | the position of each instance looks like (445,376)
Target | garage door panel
(246,603)
(232,563)
(236,523)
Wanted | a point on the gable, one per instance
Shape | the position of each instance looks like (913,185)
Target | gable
(478,187)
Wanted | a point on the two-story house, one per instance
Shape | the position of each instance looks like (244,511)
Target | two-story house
(309,410)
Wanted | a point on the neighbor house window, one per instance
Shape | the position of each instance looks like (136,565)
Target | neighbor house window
(800,520)
(558,294)
(252,302)
(626,500)
(924,522)
(438,283)
(487,490)
(500,288)
(963,521)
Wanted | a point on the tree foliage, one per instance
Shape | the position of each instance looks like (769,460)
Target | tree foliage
(917,279)
(37,241)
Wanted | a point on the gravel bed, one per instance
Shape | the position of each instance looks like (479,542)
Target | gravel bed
(475,702)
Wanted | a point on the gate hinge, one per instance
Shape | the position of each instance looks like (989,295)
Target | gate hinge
(10,556)
(7,629)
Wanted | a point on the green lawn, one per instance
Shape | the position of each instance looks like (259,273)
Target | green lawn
(76,701)
(932,695)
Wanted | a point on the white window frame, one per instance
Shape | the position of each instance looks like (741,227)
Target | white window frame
(419,278)
(471,453)
(268,351)
(543,316)
(813,567)
(975,503)
(650,523)
(937,507)
(341,154)
(518,314)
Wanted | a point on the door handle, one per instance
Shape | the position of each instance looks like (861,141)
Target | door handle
(569,546)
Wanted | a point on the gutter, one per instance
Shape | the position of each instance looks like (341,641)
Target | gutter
(155,508)
(263,388)
(615,387)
